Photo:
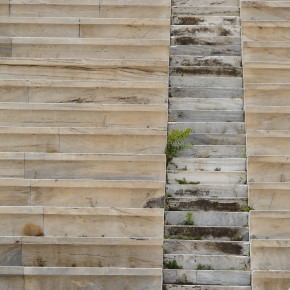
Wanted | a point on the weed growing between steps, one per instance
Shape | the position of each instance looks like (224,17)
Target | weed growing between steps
(188,220)
(175,143)
(204,267)
(247,208)
(171,265)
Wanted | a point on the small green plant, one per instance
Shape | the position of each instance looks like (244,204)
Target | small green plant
(244,155)
(204,267)
(175,143)
(171,265)
(247,208)
(188,220)
(218,169)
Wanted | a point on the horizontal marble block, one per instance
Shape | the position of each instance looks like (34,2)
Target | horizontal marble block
(268,280)
(269,224)
(269,196)
(270,254)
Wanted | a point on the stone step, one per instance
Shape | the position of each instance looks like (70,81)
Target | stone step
(83,91)
(234,104)
(265,10)
(204,287)
(206,115)
(205,20)
(84,27)
(91,9)
(263,142)
(82,166)
(182,232)
(207,164)
(201,92)
(268,118)
(75,48)
(81,222)
(206,3)
(204,40)
(206,247)
(69,277)
(270,254)
(215,262)
(184,12)
(82,193)
(205,190)
(77,252)
(267,72)
(269,169)
(104,70)
(214,277)
(206,50)
(268,280)
(210,81)
(207,177)
(209,127)
(267,94)
(206,61)
(83,115)
(210,216)
(266,51)
(269,196)
(266,30)
(205,30)
(269,224)
(214,151)
(227,205)
(82,140)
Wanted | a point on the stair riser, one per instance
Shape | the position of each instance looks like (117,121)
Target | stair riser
(266,54)
(268,121)
(206,248)
(208,11)
(191,262)
(55,143)
(208,218)
(217,92)
(222,61)
(270,283)
(48,255)
(205,50)
(90,11)
(80,225)
(83,95)
(205,116)
(177,190)
(214,151)
(187,277)
(268,172)
(23,72)
(263,13)
(206,20)
(270,258)
(266,33)
(41,118)
(86,51)
(208,177)
(207,233)
(206,3)
(81,197)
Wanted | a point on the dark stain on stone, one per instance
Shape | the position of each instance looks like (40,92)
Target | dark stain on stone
(155,203)
(187,20)
(216,71)
(229,248)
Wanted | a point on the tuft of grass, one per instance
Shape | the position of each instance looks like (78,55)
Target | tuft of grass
(247,208)
(188,220)
(204,267)
(184,181)
(218,169)
(171,265)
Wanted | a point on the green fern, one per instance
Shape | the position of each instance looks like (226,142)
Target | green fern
(175,143)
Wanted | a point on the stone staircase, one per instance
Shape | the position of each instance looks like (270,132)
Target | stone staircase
(83,101)
(266,61)
(206,221)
